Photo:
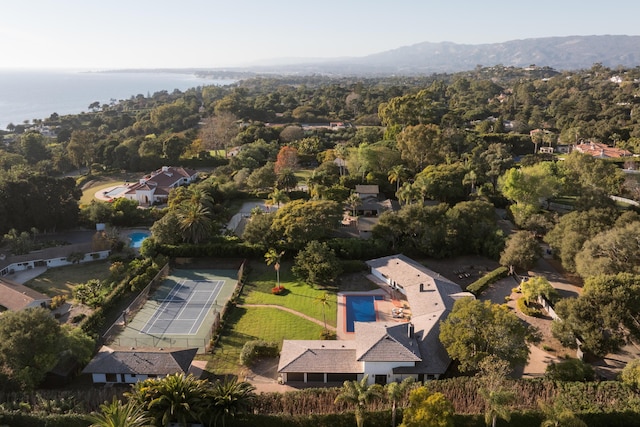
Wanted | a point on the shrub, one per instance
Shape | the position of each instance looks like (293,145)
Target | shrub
(482,283)
(253,350)
(58,301)
(526,310)
(570,370)
(278,290)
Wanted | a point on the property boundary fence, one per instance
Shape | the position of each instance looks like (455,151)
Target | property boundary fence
(135,305)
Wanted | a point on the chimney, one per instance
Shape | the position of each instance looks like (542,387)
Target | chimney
(410,330)
(421,287)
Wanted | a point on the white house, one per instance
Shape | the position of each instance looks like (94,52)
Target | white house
(384,352)
(155,187)
(133,365)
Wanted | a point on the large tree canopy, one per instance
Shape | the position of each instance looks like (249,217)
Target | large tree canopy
(604,316)
(299,222)
(477,329)
(31,343)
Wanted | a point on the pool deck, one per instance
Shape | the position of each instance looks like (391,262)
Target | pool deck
(102,194)
(384,311)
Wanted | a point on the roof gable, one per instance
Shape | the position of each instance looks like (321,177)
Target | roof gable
(141,362)
(381,343)
(15,296)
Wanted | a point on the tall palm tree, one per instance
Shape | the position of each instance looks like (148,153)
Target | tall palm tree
(353,201)
(194,222)
(325,301)
(395,392)
(287,180)
(360,394)
(408,193)
(175,398)
(273,257)
(117,414)
(396,174)
(231,397)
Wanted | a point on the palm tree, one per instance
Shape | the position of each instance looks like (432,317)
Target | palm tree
(556,415)
(287,180)
(407,193)
(360,394)
(497,405)
(395,392)
(273,257)
(325,301)
(396,174)
(277,196)
(353,201)
(175,398)
(117,414)
(194,222)
(231,397)
(470,178)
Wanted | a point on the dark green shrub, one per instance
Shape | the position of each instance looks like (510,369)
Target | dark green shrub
(482,283)
(253,350)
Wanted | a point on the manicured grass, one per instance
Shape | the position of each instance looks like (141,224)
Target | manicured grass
(299,296)
(303,174)
(246,324)
(269,324)
(88,194)
(62,280)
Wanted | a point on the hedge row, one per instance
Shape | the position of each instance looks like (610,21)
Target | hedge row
(229,249)
(482,283)
(359,249)
(93,323)
(21,419)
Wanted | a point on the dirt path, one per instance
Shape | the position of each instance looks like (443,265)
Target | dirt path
(297,313)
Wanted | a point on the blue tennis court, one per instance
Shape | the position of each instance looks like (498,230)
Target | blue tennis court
(184,309)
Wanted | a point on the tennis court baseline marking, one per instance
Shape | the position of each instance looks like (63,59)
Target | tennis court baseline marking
(173,317)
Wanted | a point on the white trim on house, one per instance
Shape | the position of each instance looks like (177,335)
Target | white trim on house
(383,352)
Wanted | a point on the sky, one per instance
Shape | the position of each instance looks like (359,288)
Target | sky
(116,34)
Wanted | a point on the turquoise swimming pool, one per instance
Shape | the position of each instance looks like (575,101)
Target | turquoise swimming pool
(360,308)
(137,238)
(115,192)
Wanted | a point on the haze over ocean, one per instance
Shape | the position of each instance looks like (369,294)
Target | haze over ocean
(36,94)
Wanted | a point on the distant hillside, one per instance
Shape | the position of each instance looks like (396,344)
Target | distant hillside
(560,53)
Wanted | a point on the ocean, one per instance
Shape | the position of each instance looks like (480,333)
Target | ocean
(36,94)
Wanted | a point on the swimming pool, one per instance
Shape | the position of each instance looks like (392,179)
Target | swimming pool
(360,308)
(137,238)
(115,192)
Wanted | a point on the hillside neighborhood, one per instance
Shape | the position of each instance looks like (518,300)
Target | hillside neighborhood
(285,246)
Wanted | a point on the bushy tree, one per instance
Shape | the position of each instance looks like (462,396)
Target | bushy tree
(538,286)
(299,222)
(521,251)
(477,329)
(630,374)
(603,317)
(317,264)
(31,342)
(613,251)
(427,409)
(570,370)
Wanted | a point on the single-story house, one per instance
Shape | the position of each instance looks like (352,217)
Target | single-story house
(16,297)
(132,365)
(384,352)
(155,187)
(50,257)
(600,150)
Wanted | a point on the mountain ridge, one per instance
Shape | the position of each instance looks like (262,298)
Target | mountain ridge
(560,53)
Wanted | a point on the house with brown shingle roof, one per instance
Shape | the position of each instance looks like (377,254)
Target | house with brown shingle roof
(155,187)
(16,297)
(132,365)
(383,351)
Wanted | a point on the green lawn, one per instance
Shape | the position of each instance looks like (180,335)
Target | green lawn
(88,195)
(269,324)
(62,280)
(246,324)
(299,296)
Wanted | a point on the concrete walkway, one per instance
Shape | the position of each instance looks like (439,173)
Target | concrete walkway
(24,276)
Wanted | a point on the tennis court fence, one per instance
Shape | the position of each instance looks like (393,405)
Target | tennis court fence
(135,305)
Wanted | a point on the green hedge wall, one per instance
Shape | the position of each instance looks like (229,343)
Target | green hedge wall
(482,283)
